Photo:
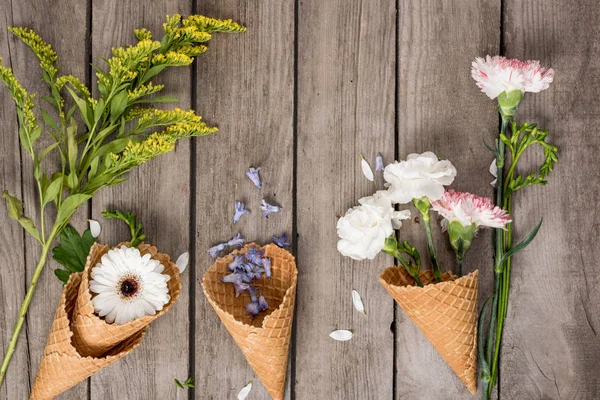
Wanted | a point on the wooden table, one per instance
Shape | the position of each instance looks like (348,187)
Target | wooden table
(311,86)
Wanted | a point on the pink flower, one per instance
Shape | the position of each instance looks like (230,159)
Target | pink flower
(469,209)
(497,74)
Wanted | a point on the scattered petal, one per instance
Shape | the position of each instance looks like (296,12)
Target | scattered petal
(268,208)
(215,250)
(182,262)
(358,304)
(245,391)
(240,209)
(95,228)
(252,174)
(494,172)
(281,241)
(236,240)
(379,163)
(366,169)
(341,335)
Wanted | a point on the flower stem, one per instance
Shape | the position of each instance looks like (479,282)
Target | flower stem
(430,247)
(24,307)
(459,262)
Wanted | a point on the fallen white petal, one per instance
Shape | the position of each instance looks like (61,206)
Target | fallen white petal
(358,304)
(366,168)
(244,392)
(494,172)
(182,262)
(341,335)
(95,228)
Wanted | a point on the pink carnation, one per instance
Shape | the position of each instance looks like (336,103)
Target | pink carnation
(497,74)
(469,209)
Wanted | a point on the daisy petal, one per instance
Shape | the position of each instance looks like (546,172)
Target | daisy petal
(358,304)
(182,262)
(95,228)
(366,169)
(341,335)
(245,391)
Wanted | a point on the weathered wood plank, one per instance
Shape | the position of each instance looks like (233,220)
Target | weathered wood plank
(245,86)
(12,250)
(158,193)
(64,26)
(551,345)
(346,78)
(441,110)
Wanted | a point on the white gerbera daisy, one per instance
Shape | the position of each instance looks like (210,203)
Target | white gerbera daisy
(128,286)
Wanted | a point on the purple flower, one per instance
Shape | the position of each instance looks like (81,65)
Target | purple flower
(237,263)
(266,262)
(255,271)
(237,281)
(239,211)
(255,255)
(252,173)
(268,208)
(252,308)
(236,240)
(262,303)
(281,241)
(253,290)
(379,162)
(215,250)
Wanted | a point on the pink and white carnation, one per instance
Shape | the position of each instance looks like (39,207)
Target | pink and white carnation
(497,74)
(469,209)
(421,175)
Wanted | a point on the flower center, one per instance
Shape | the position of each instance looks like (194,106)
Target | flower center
(129,287)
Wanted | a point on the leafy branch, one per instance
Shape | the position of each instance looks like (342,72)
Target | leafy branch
(129,218)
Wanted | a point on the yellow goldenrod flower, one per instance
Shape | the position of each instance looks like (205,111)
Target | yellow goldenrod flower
(41,49)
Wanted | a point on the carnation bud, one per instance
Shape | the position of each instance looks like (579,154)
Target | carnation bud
(508,102)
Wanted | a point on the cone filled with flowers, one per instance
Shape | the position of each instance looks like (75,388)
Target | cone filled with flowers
(441,304)
(259,309)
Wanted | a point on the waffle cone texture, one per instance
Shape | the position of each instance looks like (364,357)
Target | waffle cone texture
(62,365)
(265,339)
(445,312)
(92,335)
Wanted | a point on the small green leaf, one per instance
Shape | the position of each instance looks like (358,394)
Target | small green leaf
(72,145)
(178,384)
(49,120)
(68,207)
(52,191)
(73,249)
(48,150)
(158,99)
(84,108)
(485,367)
(99,109)
(524,243)
(117,106)
(15,211)
(73,180)
(152,72)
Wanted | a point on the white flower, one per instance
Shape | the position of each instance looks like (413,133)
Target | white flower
(420,175)
(381,199)
(497,74)
(494,172)
(469,209)
(363,231)
(128,286)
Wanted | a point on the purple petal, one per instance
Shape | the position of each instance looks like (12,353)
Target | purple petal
(262,303)
(252,309)
(252,173)
(255,255)
(236,240)
(268,208)
(379,162)
(232,278)
(253,290)
(238,262)
(239,288)
(267,264)
(281,241)
(215,250)
(239,211)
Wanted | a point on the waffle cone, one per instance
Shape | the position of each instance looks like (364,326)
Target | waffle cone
(92,335)
(62,366)
(445,312)
(265,339)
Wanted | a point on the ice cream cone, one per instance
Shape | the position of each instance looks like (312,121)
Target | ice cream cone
(265,339)
(445,312)
(91,334)
(62,366)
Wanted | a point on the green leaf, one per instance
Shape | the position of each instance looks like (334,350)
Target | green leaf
(35,134)
(52,191)
(129,218)
(485,367)
(84,108)
(48,150)
(99,109)
(72,145)
(49,121)
(15,211)
(68,207)
(117,106)
(152,72)
(73,180)
(73,250)
(524,243)
(158,99)
(62,275)
(178,384)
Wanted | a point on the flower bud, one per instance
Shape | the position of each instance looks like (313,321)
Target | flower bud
(461,237)
(508,102)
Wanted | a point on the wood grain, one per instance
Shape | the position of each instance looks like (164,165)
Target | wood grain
(551,346)
(245,87)
(346,78)
(441,110)
(158,193)
(64,26)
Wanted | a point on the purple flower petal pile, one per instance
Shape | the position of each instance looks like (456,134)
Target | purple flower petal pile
(245,268)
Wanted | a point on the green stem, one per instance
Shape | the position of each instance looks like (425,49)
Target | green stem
(405,264)
(459,262)
(24,307)
(430,246)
